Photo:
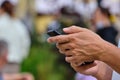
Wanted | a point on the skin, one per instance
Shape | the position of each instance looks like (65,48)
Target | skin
(80,45)
(98,69)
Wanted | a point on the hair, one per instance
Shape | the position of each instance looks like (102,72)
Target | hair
(105,11)
(8,7)
(3,46)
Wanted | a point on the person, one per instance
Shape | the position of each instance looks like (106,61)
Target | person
(82,45)
(19,43)
(3,62)
(104,27)
(83,7)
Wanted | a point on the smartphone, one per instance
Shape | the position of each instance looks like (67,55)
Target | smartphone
(52,33)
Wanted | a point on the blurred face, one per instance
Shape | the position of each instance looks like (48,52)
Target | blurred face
(96,16)
(8,8)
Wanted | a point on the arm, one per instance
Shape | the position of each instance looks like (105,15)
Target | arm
(111,56)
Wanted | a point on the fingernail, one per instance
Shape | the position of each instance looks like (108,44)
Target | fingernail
(65,29)
(48,40)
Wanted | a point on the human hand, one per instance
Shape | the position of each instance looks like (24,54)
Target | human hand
(79,45)
(98,69)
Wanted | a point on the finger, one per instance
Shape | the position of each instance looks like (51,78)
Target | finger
(65,47)
(67,53)
(59,39)
(71,59)
(78,60)
(83,68)
(73,29)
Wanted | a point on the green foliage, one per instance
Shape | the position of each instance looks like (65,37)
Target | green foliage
(41,63)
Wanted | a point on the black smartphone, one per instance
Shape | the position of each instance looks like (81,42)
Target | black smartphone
(52,33)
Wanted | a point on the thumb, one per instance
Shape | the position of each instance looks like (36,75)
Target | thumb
(73,29)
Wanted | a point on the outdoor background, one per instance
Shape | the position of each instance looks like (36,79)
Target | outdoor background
(43,60)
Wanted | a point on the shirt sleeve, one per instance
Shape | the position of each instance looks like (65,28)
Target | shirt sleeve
(115,76)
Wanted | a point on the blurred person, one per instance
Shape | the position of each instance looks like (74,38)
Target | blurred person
(90,47)
(3,62)
(85,8)
(44,7)
(103,25)
(13,31)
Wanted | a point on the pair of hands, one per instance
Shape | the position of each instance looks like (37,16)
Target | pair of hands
(81,45)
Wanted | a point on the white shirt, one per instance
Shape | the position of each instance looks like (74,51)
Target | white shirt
(115,76)
(15,34)
(51,6)
(85,9)
(46,6)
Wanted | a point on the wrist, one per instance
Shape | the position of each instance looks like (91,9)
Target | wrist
(108,52)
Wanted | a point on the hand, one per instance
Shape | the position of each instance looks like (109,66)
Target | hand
(82,45)
(98,70)
(79,45)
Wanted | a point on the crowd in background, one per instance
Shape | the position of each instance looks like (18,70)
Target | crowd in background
(20,19)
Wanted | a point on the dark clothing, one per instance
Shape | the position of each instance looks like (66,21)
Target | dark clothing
(108,33)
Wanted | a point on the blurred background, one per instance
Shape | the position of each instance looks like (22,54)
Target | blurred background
(24,24)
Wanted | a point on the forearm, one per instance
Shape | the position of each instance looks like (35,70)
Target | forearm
(111,56)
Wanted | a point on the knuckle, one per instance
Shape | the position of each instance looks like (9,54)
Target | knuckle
(61,51)
(73,26)
(85,29)
(73,52)
(67,59)
(58,39)
(72,45)
(72,38)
